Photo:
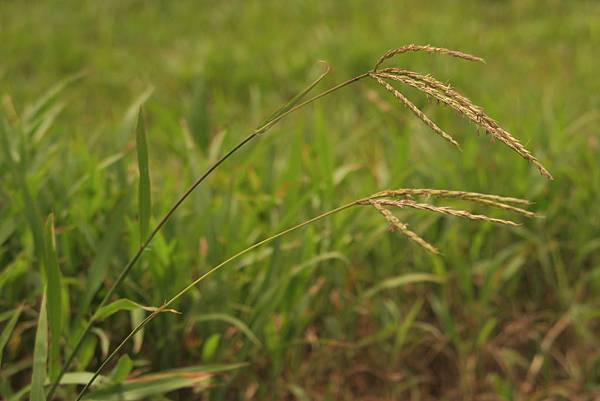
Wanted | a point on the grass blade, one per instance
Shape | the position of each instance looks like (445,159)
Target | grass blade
(122,369)
(296,99)
(210,347)
(152,384)
(106,249)
(121,305)
(243,327)
(405,326)
(46,100)
(399,281)
(40,355)
(54,292)
(8,330)
(30,208)
(144,184)
(137,316)
(132,112)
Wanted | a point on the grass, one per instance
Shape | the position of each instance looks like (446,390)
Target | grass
(504,312)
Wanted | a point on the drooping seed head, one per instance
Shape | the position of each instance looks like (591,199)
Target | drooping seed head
(409,105)
(403,228)
(444,94)
(403,198)
(465,107)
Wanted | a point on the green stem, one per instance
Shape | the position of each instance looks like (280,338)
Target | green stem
(168,215)
(201,278)
(274,121)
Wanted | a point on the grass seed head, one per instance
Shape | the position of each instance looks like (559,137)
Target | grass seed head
(442,210)
(500,202)
(403,198)
(409,105)
(428,49)
(403,228)
(445,193)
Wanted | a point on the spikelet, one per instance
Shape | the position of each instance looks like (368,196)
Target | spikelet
(442,210)
(499,202)
(403,228)
(504,206)
(425,48)
(445,193)
(409,105)
(445,94)
(402,198)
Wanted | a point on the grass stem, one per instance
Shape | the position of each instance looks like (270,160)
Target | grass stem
(265,127)
(151,316)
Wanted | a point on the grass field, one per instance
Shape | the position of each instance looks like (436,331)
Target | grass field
(343,309)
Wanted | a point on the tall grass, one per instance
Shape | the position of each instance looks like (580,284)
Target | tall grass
(380,201)
(506,313)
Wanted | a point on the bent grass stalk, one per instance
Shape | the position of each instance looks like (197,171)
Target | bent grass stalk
(378,201)
(295,104)
(267,125)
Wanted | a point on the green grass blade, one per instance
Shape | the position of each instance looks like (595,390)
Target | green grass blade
(121,305)
(447,321)
(152,384)
(137,316)
(399,281)
(243,327)
(6,332)
(296,99)
(40,355)
(42,127)
(5,131)
(35,222)
(54,292)
(48,98)
(81,378)
(405,326)
(131,114)
(122,369)
(209,349)
(30,208)
(108,244)
(144,184)
(67,379)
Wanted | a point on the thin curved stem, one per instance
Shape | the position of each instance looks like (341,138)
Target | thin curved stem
(172,210)
(204,276)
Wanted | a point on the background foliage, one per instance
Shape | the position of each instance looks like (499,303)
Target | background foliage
(340,310)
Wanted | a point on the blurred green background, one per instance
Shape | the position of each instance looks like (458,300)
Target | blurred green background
(326,313)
